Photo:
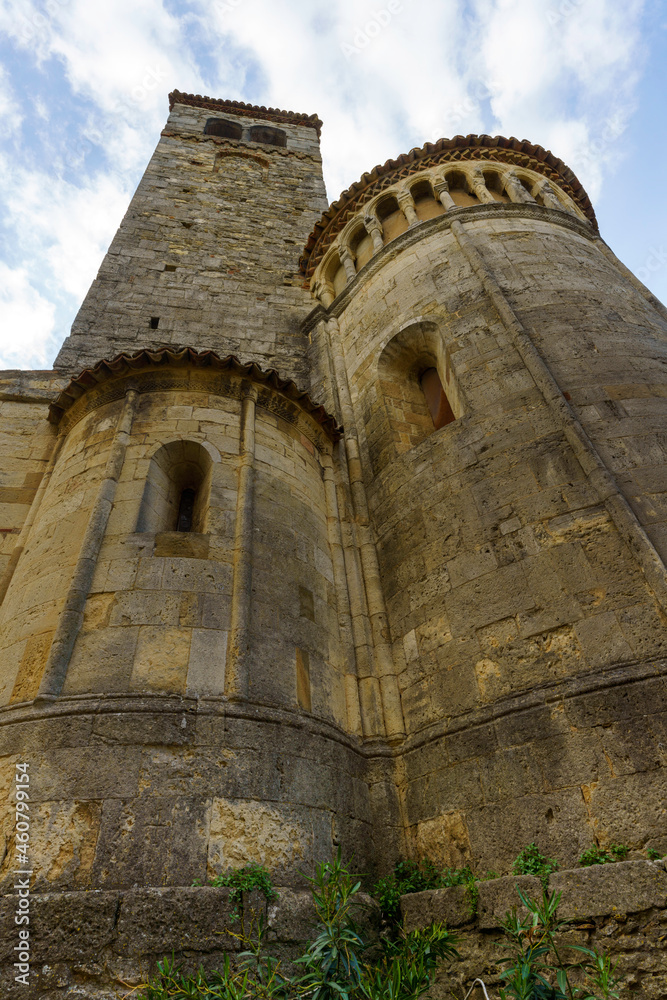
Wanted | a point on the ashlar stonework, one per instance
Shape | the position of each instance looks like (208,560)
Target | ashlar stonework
(352,538)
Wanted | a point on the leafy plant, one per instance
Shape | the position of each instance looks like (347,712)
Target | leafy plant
(331,961)
(598,856)
(252,877)
(417,876)
(408,876)
(531,861)
(407,966)
(333,966)
(652,854)
(536,970)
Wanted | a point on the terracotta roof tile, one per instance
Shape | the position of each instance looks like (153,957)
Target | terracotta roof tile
(246,110)
(124,363)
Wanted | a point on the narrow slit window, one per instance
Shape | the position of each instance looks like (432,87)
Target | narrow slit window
(436,399)
(186,510)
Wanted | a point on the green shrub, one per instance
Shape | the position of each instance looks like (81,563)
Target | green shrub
(333,964)
(417,876)
(252,877)
(408,876)
(531,861)
(598,856)
(536,969)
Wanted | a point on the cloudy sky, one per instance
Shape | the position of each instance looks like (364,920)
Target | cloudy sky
(83,96)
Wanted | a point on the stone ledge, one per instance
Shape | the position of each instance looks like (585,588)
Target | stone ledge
(602,890)
(607,890)
(99,944)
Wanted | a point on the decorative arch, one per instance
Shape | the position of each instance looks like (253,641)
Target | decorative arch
(416,384)
(177,489)
(427,206)
(224,156)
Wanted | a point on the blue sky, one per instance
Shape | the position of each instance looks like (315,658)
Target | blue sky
(83,96)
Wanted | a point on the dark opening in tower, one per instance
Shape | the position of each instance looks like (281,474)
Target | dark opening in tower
(436,399)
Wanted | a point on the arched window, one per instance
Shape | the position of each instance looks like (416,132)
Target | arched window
(361,247)
(177,488)
(494,184)
(391,218)
(426,205)
(459,189)
(418,391)
(223,128)
(269,136)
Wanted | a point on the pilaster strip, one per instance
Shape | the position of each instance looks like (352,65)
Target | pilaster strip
(238,640)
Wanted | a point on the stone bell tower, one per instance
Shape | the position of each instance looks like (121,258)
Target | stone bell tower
(352,538)
(186,697)
(205,255)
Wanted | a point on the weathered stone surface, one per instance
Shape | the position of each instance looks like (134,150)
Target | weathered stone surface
(440,639)
(611,889)
(194,919)
(452,906)
(73,926)
(499,896)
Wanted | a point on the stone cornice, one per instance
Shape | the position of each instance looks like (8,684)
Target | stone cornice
(479,148)
(186,368)
(245,110)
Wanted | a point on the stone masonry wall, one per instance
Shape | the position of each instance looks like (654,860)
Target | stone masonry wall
(102,944)
(210,247)
(529,645)
(618,909)
(136,792)
(26,441)
(605,344)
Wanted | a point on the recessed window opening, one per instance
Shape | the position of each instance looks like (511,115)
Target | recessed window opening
(393,221)
(335,273)
(186,509)
(459,189)
(426,205)
(436,399)
(267,135)
(177,489)
(155,321)
(528,185)
(223,128)
(361,247)
(494,185)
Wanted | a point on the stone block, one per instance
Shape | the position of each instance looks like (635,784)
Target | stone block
(69,926)
(151,840)
(206,666)
(601,890)
(292,916)
(153,921)
(499,896)
(161,660)
(451,906)
(187,544)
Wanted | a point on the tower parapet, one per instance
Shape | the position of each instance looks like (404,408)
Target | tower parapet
(205,256)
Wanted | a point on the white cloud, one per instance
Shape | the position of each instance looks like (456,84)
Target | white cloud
(383,75)
(27,321)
